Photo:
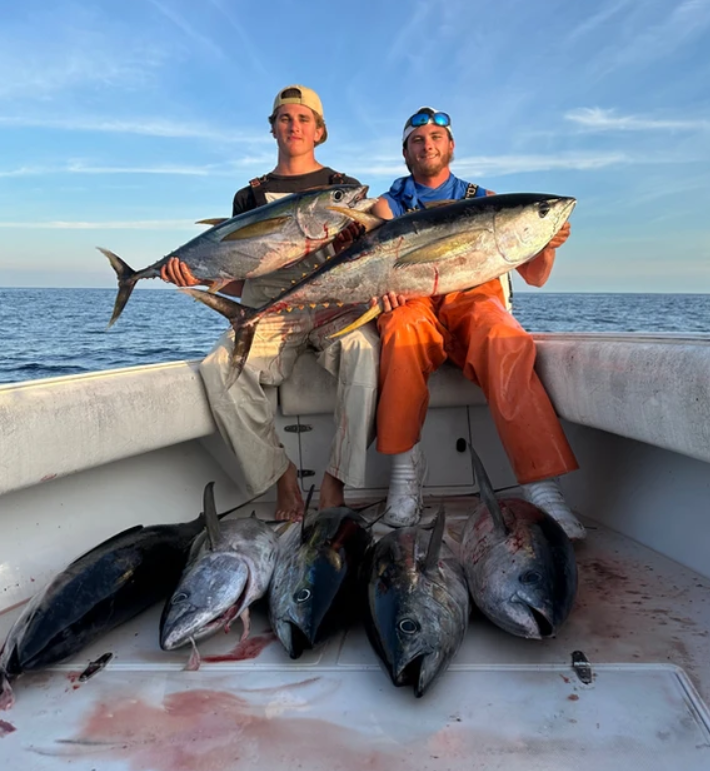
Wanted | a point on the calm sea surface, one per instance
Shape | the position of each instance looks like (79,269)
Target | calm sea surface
(51,332)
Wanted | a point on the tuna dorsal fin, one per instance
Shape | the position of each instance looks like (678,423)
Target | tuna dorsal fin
(212,221)
(258,229)
(214,533)
(487,493)
(253,514)
(437,536)
(305,513)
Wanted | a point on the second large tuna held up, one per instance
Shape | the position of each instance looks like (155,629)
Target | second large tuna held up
(431,252)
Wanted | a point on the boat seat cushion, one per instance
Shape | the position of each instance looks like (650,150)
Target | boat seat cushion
(311,390)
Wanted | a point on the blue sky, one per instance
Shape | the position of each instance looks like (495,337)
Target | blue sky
(123,123)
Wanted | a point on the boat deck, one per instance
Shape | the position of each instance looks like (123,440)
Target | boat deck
(641,620)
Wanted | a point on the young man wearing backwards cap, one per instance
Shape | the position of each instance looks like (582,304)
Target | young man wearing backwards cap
(476,331)
(243,412)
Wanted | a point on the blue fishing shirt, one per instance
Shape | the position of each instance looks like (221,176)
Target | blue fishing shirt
(406,194)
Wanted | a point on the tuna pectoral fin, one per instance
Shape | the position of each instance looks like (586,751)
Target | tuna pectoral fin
(258,229)
(441,249)
(488,495)
(437,536)
(367,220)
(228,308)
(243,338)
(214,532)
(126,281)
(370,313)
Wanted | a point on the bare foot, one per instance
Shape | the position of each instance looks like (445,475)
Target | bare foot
(331,492)
(289,501)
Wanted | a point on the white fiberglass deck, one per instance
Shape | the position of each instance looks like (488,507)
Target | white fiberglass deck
(642,621)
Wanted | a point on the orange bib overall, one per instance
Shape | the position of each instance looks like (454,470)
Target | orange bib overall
(474,330)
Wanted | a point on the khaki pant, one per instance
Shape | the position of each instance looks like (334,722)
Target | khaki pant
(244,414)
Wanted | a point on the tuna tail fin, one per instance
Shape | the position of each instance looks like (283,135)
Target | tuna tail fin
(214,533)
(487,493)
(437,536)
(126,281)
(7,697)
(370,313)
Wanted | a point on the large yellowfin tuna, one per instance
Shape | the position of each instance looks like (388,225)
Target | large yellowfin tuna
(256,242)
(431,252)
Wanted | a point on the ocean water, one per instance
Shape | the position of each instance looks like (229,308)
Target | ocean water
(52,332)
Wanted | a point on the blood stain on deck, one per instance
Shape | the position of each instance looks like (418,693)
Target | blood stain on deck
(205,729)
(250,648)
(6,728)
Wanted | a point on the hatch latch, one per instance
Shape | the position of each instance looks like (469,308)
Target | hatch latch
(298,428)
(582,667)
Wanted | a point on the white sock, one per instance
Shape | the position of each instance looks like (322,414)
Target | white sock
(404,500)
(546,495)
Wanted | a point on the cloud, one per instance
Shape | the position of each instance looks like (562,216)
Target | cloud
(80,168)
(143,126)
(190,31)
(251,52)
(597,20)
(652,43)
(597,119)
(116,225)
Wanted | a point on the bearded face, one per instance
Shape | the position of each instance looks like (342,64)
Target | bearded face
(428,151)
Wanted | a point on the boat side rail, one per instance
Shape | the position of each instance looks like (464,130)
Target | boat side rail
(653,389)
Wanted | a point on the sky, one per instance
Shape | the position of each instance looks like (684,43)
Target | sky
(122,123)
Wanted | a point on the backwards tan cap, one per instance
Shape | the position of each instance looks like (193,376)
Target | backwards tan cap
(301,95)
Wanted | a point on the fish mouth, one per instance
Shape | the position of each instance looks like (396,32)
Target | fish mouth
(531,622)
(409,673)
(544,626)
(300,641)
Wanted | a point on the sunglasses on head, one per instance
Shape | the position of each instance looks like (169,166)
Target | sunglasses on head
(423,118)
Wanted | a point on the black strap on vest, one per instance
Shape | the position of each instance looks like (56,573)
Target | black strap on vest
(471,190)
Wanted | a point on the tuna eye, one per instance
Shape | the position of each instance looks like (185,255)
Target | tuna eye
(338,195)
(530,577)
(302,595)
(543,210)
(408,626)
(178,598)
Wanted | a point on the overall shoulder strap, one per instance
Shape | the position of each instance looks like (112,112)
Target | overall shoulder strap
(257,190)
(471,190)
